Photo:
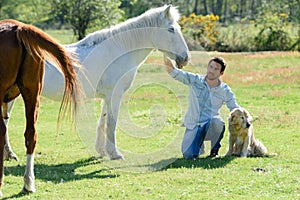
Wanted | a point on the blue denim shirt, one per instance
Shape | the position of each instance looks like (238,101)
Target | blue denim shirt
(204,102)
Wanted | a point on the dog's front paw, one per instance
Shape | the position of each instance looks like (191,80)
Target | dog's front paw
(228,154)
(243,155)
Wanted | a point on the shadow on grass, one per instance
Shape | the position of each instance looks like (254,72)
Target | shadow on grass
(63,172)
(19,195)
(58,173)
(203,162)
(174,162)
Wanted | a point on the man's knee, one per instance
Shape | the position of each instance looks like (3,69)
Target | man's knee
(216,129)
(217,125)
(217,122)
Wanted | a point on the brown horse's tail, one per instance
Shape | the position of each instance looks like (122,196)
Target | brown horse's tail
(41,45)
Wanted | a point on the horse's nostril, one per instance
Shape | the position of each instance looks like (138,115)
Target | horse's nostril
(187,58)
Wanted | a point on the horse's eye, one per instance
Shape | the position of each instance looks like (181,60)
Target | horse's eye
(171,29)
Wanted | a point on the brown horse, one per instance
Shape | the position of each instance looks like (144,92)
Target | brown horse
(23,49)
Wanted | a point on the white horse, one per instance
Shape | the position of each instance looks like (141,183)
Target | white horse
(110,59)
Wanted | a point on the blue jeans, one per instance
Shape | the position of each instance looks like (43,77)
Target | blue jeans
(194,138)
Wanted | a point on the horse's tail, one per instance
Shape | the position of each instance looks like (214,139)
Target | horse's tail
(40,45)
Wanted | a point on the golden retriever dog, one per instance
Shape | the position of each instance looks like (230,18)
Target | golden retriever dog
(241,135)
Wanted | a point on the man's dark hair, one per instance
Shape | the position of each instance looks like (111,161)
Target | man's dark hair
(220,61)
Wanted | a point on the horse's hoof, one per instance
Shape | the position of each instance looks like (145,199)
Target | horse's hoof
(11,156)
(1,193)
(28,191)
(28,185)
(117,157)
(101,151)
(101,154)
(99,157)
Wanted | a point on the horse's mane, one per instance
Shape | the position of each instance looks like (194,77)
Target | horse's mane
(151,18)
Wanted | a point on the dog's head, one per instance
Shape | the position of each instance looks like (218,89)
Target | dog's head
(240,118)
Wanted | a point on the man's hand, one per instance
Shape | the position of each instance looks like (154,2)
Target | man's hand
(169,64)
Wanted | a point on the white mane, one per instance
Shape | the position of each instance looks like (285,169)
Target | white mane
(151,18)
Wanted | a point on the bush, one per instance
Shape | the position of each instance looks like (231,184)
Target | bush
(271,32)
(201,32)
(272,35)
(236,38)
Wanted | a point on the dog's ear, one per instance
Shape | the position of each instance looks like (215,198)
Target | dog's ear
(248,116)
(231,118)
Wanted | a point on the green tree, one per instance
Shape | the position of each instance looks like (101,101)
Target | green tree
(32,11)
(134,8)
(272,35)
(85,14)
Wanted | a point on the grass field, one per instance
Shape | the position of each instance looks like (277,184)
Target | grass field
(149,135)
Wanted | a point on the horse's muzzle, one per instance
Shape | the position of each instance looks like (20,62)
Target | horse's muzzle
(182,60)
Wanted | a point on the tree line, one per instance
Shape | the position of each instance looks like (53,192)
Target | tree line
(227,10)
(83,16)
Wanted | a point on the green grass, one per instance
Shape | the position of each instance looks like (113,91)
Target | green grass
(65,36)
(149,135)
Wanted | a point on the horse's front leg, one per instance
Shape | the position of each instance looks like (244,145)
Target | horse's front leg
(101,132)
(113,106)
(8,152)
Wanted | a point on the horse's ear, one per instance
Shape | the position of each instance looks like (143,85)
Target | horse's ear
(167,11)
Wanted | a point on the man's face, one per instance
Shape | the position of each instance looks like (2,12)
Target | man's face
(213,71)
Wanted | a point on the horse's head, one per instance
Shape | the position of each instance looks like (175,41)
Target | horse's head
(169,38)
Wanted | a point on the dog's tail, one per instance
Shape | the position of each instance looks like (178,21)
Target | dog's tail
(258,149)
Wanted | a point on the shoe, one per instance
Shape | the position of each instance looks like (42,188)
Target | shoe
(214,153)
